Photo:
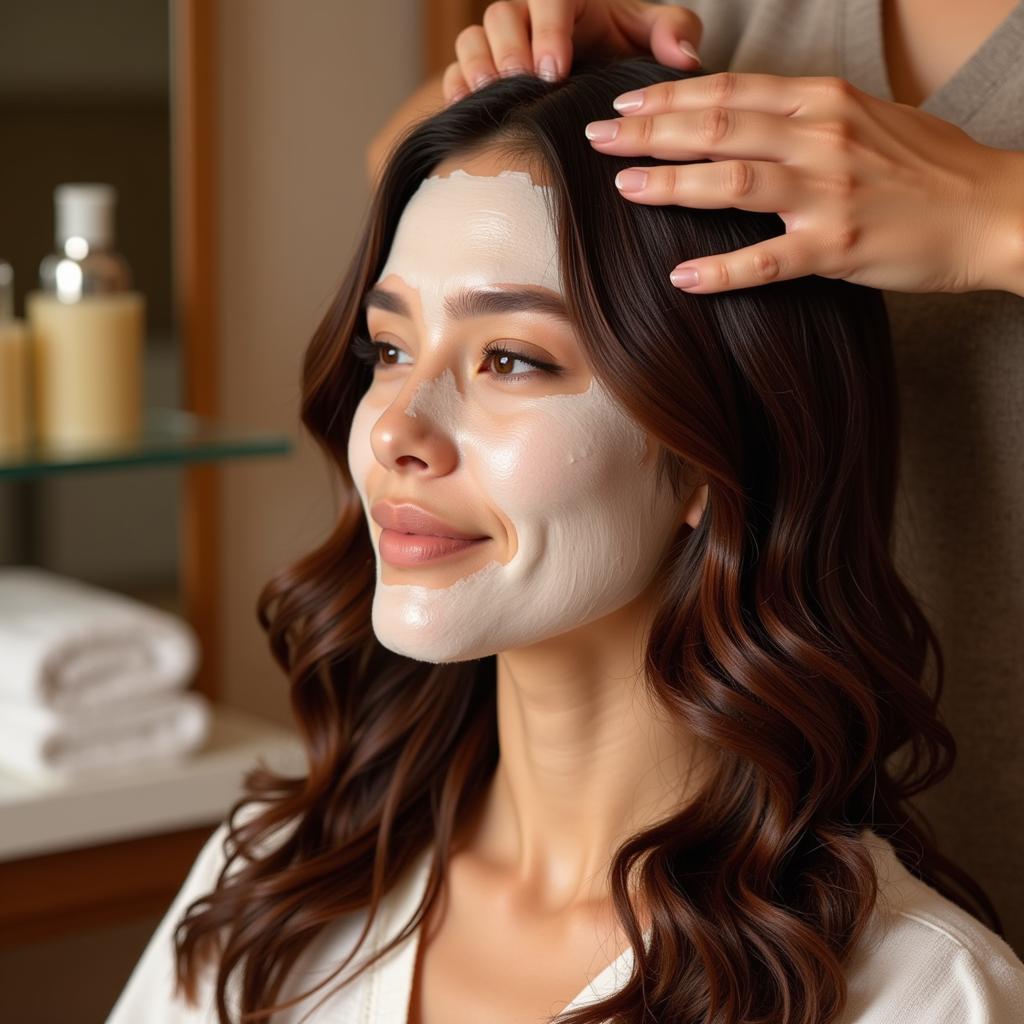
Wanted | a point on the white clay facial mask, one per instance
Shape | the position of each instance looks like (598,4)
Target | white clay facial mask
(577,518)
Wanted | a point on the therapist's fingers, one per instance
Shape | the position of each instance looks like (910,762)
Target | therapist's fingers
(758,185)
(533,36)
(613,27)
(742,90)
(670,32)
(542,36)
(453,84)
(781,258)
(716,134)
(506,25)
(551,32)
(474,55)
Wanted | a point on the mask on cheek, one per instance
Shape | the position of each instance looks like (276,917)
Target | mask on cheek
(571,472)
(592,524)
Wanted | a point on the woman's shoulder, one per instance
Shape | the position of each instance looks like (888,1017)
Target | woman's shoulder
(925,958)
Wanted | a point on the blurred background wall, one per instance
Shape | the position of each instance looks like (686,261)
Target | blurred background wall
(303,87)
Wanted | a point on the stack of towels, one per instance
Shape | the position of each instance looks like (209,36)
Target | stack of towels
(91,679)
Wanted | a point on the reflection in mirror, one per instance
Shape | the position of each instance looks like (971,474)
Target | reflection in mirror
(85,97)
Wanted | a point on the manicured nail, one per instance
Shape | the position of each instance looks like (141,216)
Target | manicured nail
(602,131)
(481,80)
(684,277)
(631,180)
(547,68)
(629,100)
(514,69)
(689,51)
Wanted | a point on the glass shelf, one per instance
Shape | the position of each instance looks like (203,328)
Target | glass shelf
(168,436)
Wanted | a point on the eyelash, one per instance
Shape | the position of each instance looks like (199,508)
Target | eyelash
(368,352)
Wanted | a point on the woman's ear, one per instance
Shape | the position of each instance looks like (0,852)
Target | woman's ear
(694,507)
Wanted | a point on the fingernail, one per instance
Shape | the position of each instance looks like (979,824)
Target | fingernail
(514,69)
(629,100)
(684,277)
(688,50)
(602,131)
(547,68)
(461,94)
(631,180)
(481,80)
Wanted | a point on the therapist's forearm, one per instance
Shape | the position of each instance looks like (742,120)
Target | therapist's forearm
(426,100)
(1003,268)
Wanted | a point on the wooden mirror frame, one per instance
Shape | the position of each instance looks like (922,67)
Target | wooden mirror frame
(194,111)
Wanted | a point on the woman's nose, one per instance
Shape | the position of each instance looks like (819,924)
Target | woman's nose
(405,441)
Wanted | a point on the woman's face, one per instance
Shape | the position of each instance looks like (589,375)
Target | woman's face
(536,458)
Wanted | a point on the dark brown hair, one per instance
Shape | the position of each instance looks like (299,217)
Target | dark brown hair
(784,637)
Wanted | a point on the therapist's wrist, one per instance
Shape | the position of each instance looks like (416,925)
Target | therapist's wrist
(1003,266)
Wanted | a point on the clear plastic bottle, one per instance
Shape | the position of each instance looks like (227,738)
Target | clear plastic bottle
(88,329)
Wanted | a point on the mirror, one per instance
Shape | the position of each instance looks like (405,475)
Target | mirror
(85,96)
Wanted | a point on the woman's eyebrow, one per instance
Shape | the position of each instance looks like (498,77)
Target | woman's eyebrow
(470,302)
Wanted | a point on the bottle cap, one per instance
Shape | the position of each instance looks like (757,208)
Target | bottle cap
(6,291)
(85,211)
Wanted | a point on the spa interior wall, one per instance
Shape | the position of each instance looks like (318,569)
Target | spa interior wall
(302,90)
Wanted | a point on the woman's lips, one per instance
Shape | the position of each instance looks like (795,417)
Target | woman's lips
(409,549)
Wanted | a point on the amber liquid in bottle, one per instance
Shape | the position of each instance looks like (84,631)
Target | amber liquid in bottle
(88,331)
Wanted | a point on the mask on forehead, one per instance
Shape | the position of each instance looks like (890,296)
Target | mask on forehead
(474,231)
(573,473)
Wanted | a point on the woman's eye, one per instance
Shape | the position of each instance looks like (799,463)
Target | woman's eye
(389,354)
(503,361)
(374,353)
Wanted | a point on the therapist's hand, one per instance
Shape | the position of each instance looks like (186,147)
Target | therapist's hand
(540,36)
(873,192)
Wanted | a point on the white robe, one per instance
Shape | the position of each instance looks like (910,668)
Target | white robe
(923,960)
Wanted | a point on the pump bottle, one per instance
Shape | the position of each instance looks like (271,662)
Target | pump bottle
(87,326)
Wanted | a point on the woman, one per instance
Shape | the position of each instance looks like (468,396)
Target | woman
(888,135)
(613,739)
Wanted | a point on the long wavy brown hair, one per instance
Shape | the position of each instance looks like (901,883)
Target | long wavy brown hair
(784,636)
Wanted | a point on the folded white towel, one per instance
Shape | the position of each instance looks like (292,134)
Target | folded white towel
(67,644)
(42,743)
